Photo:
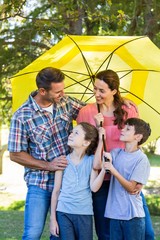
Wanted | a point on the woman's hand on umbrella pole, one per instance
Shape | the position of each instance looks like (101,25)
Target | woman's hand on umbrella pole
(99,119)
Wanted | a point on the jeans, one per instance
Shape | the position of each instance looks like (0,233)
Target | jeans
(74,226)
(149,232)
(36,209)
(133,229)
(102,224)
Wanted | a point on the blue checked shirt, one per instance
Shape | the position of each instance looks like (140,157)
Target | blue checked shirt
(43,135)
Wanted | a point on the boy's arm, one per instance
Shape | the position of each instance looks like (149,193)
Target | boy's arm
(130,186)
(54,229)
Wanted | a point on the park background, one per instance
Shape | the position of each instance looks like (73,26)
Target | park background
(30,28)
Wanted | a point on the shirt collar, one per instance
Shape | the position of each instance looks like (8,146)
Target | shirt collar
(36,107)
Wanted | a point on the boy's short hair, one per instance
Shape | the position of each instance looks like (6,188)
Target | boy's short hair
(141,127)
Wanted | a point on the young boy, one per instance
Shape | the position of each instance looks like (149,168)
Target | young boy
(128,167)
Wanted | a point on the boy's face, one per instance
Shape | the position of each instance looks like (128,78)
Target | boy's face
(128,134)
(77,137)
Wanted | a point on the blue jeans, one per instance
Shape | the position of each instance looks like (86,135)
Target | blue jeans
(149,231)
(74,226)
(102,224)
(133,229)
(36,209)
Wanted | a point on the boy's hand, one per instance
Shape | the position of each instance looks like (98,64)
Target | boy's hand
(108,156)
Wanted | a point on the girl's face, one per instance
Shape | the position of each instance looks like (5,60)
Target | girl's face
(102,92)
(77,137)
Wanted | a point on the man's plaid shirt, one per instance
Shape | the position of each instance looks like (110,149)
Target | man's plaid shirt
(43,135)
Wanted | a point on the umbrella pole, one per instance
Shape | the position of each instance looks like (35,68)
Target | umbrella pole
(104,144)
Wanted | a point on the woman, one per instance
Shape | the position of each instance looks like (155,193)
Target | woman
(113,113)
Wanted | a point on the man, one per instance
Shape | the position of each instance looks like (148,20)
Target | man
(38,140)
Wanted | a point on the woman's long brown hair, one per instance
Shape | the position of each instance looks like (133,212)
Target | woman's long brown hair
(111,78)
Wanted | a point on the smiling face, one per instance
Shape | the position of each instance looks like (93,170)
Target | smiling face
(77,138)
(102,92)
(55,93)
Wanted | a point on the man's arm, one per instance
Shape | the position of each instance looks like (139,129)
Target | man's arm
(27,160)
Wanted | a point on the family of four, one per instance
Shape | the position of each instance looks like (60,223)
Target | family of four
(65,171)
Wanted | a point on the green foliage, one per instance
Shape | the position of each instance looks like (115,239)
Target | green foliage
(154,159)
(29,28)
(17,205)
(153,202)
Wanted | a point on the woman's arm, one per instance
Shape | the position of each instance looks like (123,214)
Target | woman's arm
(130,103)
(54,228)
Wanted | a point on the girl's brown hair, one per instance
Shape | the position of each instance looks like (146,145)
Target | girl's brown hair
(91,134)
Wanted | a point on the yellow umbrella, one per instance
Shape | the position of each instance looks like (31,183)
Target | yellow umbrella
(135,59)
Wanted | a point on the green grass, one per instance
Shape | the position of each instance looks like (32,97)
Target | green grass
(11,218)
(11,225)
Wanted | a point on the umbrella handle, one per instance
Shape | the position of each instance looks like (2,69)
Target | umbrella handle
(104,144)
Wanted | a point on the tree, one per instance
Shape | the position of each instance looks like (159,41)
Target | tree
(29,28)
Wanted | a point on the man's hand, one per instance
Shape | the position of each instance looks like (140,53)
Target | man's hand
(59,163)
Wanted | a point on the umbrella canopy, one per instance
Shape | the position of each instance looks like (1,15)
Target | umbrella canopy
(135,59)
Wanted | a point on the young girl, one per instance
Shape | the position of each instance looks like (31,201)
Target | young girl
(71,203)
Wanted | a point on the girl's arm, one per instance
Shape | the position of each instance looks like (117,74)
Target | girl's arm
(54,228)
(97,163)
(96,179)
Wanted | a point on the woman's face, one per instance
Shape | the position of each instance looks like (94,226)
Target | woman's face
(102,92)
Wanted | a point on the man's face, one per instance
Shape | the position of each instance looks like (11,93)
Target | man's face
(55,93)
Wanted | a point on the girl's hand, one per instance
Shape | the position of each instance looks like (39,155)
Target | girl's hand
(101,131)
(99,119)
(54,228)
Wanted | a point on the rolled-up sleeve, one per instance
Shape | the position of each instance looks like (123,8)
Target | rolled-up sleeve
(17,140)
